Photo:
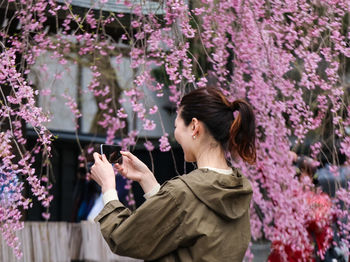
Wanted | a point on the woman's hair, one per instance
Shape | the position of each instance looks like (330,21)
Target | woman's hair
(231,124)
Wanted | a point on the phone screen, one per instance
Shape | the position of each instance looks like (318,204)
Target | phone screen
(112,153)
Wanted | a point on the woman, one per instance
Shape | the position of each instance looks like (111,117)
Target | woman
(201,216)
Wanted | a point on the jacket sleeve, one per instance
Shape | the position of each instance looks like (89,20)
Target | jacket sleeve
(150,232)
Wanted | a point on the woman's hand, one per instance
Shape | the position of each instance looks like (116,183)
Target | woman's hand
(102,172)
(134,169)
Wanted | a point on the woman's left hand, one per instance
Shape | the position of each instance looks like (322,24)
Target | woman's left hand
(102,172)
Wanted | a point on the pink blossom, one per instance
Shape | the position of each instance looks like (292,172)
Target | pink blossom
(149,146)
(164,143)
(149,125)
(153,110)
(280,61)
(45,215)
(121,113)
(45,92)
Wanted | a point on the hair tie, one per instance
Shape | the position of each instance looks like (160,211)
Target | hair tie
(235,109)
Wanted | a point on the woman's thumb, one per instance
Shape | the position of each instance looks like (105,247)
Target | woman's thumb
(104,158)
(127,154)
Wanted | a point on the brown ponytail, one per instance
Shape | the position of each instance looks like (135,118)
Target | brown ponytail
(235,134)
(242,132)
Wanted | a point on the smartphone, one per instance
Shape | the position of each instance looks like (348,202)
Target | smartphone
(112,153)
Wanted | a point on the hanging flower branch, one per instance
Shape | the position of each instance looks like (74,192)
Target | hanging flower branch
(290,60)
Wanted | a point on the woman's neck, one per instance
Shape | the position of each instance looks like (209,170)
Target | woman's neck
(212,157)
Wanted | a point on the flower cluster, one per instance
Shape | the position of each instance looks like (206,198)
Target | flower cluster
(287,58)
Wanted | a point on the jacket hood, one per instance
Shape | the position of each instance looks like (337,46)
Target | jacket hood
(227,195)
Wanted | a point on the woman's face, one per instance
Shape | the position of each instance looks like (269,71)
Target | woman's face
(183,135)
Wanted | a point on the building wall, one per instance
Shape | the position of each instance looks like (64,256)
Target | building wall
(54,80)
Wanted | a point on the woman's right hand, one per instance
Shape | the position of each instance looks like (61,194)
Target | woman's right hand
(134,169)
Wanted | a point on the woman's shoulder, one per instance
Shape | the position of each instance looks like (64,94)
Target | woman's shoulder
(173,191)
(177,182)
(173,185)
(207,176)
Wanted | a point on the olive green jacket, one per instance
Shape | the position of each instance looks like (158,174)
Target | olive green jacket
(202,216)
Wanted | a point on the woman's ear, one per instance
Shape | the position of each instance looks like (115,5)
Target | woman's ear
(195,126)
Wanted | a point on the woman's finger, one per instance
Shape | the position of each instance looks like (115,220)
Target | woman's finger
(128,155)
(121,171)
(92,168)
(104,158)
(118,166)
(124,174)
(97,157)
